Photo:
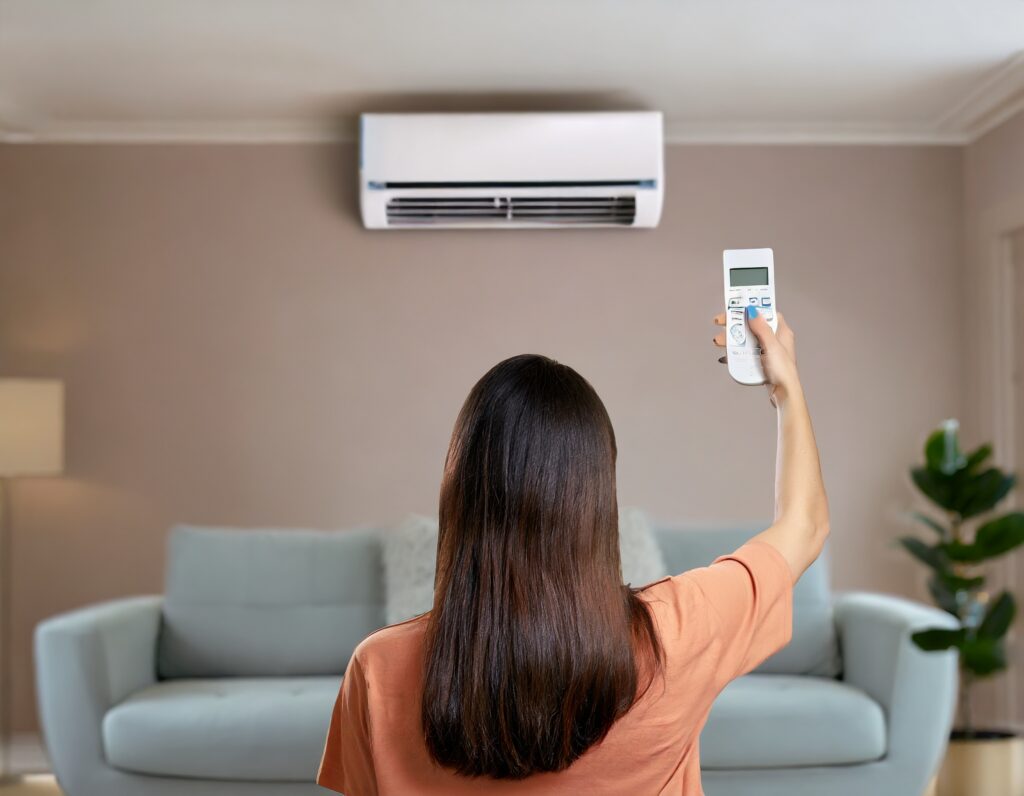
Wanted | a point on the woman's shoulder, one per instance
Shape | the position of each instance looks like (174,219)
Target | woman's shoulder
(680,609)
(670,588)
(728,577)
(392,644)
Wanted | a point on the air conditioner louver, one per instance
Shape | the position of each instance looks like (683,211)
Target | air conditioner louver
(511,210)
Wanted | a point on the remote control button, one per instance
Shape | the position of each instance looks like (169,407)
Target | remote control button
(769,315)
(766,301)
(737,333)
(752,299)
(735,302)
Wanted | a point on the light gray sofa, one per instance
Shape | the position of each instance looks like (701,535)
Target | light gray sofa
(225,684)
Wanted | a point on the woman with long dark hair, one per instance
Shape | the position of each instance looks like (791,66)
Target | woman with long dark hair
(537,671)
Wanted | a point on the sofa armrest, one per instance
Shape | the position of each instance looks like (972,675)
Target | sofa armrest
(86,662)
(917,689)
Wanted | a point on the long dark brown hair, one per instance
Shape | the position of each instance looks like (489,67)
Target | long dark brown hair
(534,646)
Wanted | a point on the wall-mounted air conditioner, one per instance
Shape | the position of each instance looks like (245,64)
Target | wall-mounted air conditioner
(510,170)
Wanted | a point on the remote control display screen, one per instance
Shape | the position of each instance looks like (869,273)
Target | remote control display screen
(744,277)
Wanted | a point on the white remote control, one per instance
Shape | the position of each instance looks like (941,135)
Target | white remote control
(749,276)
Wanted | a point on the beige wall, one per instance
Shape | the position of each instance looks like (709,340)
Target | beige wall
(237,349)
(991,278)
(993,212)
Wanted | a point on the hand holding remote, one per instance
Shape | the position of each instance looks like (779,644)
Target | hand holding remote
(778,353)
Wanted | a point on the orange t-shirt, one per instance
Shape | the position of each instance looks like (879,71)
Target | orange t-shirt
(715,623)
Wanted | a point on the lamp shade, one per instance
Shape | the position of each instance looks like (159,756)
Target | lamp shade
(31,427)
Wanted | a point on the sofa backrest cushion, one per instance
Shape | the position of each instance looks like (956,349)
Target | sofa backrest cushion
(267,602)
(813,648)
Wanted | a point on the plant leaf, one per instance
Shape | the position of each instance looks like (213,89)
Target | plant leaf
(935,449)
(937,639)
(935,486)
(998,617)
(931,555)
(964,553)
(957,583)
(934,524)
(1000,535)
(981,492)
(977,458)
(983,656)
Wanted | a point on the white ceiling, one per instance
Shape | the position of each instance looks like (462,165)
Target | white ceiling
(721,70)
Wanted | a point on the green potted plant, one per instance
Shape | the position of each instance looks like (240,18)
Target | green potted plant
(965,539)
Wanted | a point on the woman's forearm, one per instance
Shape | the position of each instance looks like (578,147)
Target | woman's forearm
(799,488)
(801,509)
(801,522)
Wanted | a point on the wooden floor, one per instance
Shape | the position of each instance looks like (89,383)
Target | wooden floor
(45,785)
(38,785)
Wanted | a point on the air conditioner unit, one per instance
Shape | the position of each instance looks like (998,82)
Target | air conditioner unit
(510,170)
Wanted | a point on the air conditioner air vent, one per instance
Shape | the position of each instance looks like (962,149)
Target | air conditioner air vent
(511,210)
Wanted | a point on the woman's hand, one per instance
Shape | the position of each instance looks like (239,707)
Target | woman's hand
(778,354)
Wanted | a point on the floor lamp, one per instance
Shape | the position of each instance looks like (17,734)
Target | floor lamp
(31,443)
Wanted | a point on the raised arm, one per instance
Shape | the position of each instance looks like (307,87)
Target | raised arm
(801,521)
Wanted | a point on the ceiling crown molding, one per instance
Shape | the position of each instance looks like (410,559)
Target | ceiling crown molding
(298,131)
(876,133)
(309,131)
(991,101)
(994,99)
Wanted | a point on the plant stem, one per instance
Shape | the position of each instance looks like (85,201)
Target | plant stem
(955,527)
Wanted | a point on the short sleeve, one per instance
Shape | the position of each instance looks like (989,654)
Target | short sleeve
(750,597)
(347,762)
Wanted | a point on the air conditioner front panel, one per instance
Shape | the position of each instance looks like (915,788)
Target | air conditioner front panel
(516,147)
(511,170)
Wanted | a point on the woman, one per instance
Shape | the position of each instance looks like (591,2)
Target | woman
(537,671)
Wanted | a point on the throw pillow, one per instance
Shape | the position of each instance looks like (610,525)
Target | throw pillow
(642,562)
(410,555)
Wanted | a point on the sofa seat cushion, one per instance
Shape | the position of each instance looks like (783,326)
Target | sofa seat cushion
(781,721)
(237,728)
